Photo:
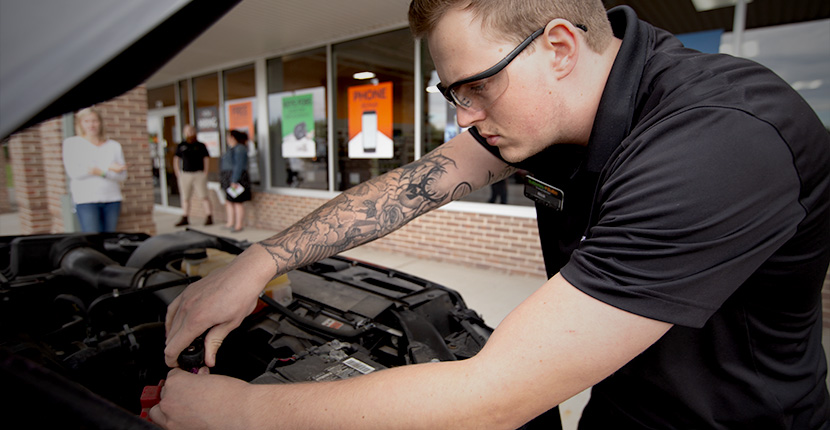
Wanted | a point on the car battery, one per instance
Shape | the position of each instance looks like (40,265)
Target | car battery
(331,361)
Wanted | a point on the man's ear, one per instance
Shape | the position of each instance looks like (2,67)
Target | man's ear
(561,40)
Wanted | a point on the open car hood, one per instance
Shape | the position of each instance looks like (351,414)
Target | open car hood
(58,56)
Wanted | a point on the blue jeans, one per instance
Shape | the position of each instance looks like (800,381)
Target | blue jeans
(98,217)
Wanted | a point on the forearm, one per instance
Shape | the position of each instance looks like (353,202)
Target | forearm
(425,396)
(367,212)
(116,176)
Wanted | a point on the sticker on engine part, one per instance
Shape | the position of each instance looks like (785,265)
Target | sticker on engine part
(358,365)
(332,323)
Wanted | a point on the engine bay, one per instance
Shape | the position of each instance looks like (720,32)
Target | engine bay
(82,322)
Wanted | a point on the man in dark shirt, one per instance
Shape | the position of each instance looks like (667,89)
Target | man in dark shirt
(683,202)
(191,164)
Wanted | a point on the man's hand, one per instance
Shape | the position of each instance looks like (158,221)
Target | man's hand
(201,401)
(221,301)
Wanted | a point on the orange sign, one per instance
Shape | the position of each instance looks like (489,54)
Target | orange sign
(241,116)
(370,121)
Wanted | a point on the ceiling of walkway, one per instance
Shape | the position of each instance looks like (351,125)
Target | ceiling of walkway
(257,28)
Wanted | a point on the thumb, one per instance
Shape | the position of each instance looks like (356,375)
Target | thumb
(213,340)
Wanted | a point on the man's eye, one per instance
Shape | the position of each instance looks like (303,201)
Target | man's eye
(477,87)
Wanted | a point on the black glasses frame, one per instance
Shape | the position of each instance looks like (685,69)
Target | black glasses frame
(498,67)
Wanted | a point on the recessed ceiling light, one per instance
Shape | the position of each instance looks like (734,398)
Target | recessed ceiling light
(363,75)
(704,5)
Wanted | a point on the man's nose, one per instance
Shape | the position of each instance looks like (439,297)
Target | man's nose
(468,118)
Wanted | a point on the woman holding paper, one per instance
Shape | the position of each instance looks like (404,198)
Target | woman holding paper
(235,180)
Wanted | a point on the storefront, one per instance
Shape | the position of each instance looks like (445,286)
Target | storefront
(327,118)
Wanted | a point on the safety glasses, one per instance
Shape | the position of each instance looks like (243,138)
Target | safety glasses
(479,91)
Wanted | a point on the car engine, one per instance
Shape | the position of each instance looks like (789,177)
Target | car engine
(82,323)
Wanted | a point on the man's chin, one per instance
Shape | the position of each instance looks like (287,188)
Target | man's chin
(513,155)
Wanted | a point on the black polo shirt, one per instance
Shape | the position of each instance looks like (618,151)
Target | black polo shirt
(193,155)
(702,199)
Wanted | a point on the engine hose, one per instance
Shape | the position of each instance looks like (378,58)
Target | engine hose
(165,291)
(97,270)
(300,321)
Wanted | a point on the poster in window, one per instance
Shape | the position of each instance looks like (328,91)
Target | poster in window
(207,129)
(298,127)
(370,121)
(240,115)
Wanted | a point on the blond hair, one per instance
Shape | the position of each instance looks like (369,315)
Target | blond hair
(516,19)
(79,116)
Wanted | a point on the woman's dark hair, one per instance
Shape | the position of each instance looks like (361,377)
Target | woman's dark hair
(239,136)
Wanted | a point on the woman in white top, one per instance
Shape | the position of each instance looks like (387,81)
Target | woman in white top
(95,166)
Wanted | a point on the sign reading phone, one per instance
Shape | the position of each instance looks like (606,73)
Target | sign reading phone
(370,121)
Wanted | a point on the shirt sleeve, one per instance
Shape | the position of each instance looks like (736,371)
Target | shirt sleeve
(688,210)
(204,151)
(240,162)
(118,157)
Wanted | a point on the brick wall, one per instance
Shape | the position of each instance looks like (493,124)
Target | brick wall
(125,121)
(40,179)
(5,201)
(30,181)
(51,140)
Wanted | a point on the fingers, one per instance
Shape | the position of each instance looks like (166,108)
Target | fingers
(213,340)
(157,416)
(179,340)
(172,309)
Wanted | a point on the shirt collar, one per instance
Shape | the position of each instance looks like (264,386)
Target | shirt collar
(615,114)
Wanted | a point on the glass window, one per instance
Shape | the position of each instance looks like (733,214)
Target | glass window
(240,112)
(206,105)
(374,120)
(441,125)
(798,53)
(297,121)
(184,100)
(161,97)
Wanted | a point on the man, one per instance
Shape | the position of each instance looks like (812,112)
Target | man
(194,159)
(683,213)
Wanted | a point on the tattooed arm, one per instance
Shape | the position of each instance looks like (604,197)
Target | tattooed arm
(359,215)
(377,207)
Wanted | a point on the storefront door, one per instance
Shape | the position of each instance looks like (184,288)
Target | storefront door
(163,132)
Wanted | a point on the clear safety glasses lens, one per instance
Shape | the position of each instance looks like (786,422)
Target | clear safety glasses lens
(479,95)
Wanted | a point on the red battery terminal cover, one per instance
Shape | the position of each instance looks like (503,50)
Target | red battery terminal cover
(150,396)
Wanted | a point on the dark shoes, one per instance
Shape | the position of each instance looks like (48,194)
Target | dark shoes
(184,222)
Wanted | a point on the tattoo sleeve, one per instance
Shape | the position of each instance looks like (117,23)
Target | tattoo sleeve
(368,211)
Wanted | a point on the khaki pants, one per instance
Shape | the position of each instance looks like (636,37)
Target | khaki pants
(193,184)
